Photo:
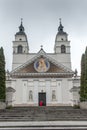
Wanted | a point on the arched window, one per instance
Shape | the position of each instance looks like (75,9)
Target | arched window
(20,49)
(63,49)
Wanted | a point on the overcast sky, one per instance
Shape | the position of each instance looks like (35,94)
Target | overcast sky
(41,21)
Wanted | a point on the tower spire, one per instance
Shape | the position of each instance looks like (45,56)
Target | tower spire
(60,28)
(21,28)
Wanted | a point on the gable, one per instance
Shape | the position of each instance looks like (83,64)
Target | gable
(41,65)
(31,69)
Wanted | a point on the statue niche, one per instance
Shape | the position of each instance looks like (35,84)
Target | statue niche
(53,95)
(30,95)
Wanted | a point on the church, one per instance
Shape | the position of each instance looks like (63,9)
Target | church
(42,78)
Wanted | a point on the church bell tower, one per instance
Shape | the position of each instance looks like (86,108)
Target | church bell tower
(62,47)
(20,46)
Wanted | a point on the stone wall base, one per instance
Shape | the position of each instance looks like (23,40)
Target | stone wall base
(83,105)
(2,105)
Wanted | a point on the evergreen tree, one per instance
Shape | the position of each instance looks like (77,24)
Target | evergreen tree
(85,89)
(2,75)
(82,88)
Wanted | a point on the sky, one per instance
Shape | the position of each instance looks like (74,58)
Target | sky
(41,21)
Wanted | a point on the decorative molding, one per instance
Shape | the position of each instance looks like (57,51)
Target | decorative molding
(41,74)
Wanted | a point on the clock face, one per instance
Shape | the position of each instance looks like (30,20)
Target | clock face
(41,65)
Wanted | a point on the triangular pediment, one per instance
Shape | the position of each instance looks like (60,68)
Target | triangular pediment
(41,64)
(30,68)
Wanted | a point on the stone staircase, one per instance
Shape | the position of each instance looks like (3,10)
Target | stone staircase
(47,113)
(32,118)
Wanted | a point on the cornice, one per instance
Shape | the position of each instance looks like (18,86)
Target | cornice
(41,74)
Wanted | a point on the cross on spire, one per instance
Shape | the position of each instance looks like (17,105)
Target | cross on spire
(41,46)
(21,20)
(60,20)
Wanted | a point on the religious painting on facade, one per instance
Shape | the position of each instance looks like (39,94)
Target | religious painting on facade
(41,65)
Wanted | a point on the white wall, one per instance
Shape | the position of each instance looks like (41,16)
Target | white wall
(61,86)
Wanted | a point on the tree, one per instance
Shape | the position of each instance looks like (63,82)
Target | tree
(82,88)
(2,76)
(85,87)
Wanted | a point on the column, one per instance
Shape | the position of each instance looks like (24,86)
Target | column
(36,92)
(59,92)
(48,96)
(24,92)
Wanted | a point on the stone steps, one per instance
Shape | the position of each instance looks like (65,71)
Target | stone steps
(43,114)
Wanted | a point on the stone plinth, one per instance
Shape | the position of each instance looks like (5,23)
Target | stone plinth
(83,105)
(2,105)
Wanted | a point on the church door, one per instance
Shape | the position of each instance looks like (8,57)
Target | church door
(42,99)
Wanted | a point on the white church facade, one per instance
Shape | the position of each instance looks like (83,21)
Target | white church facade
(42,77)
